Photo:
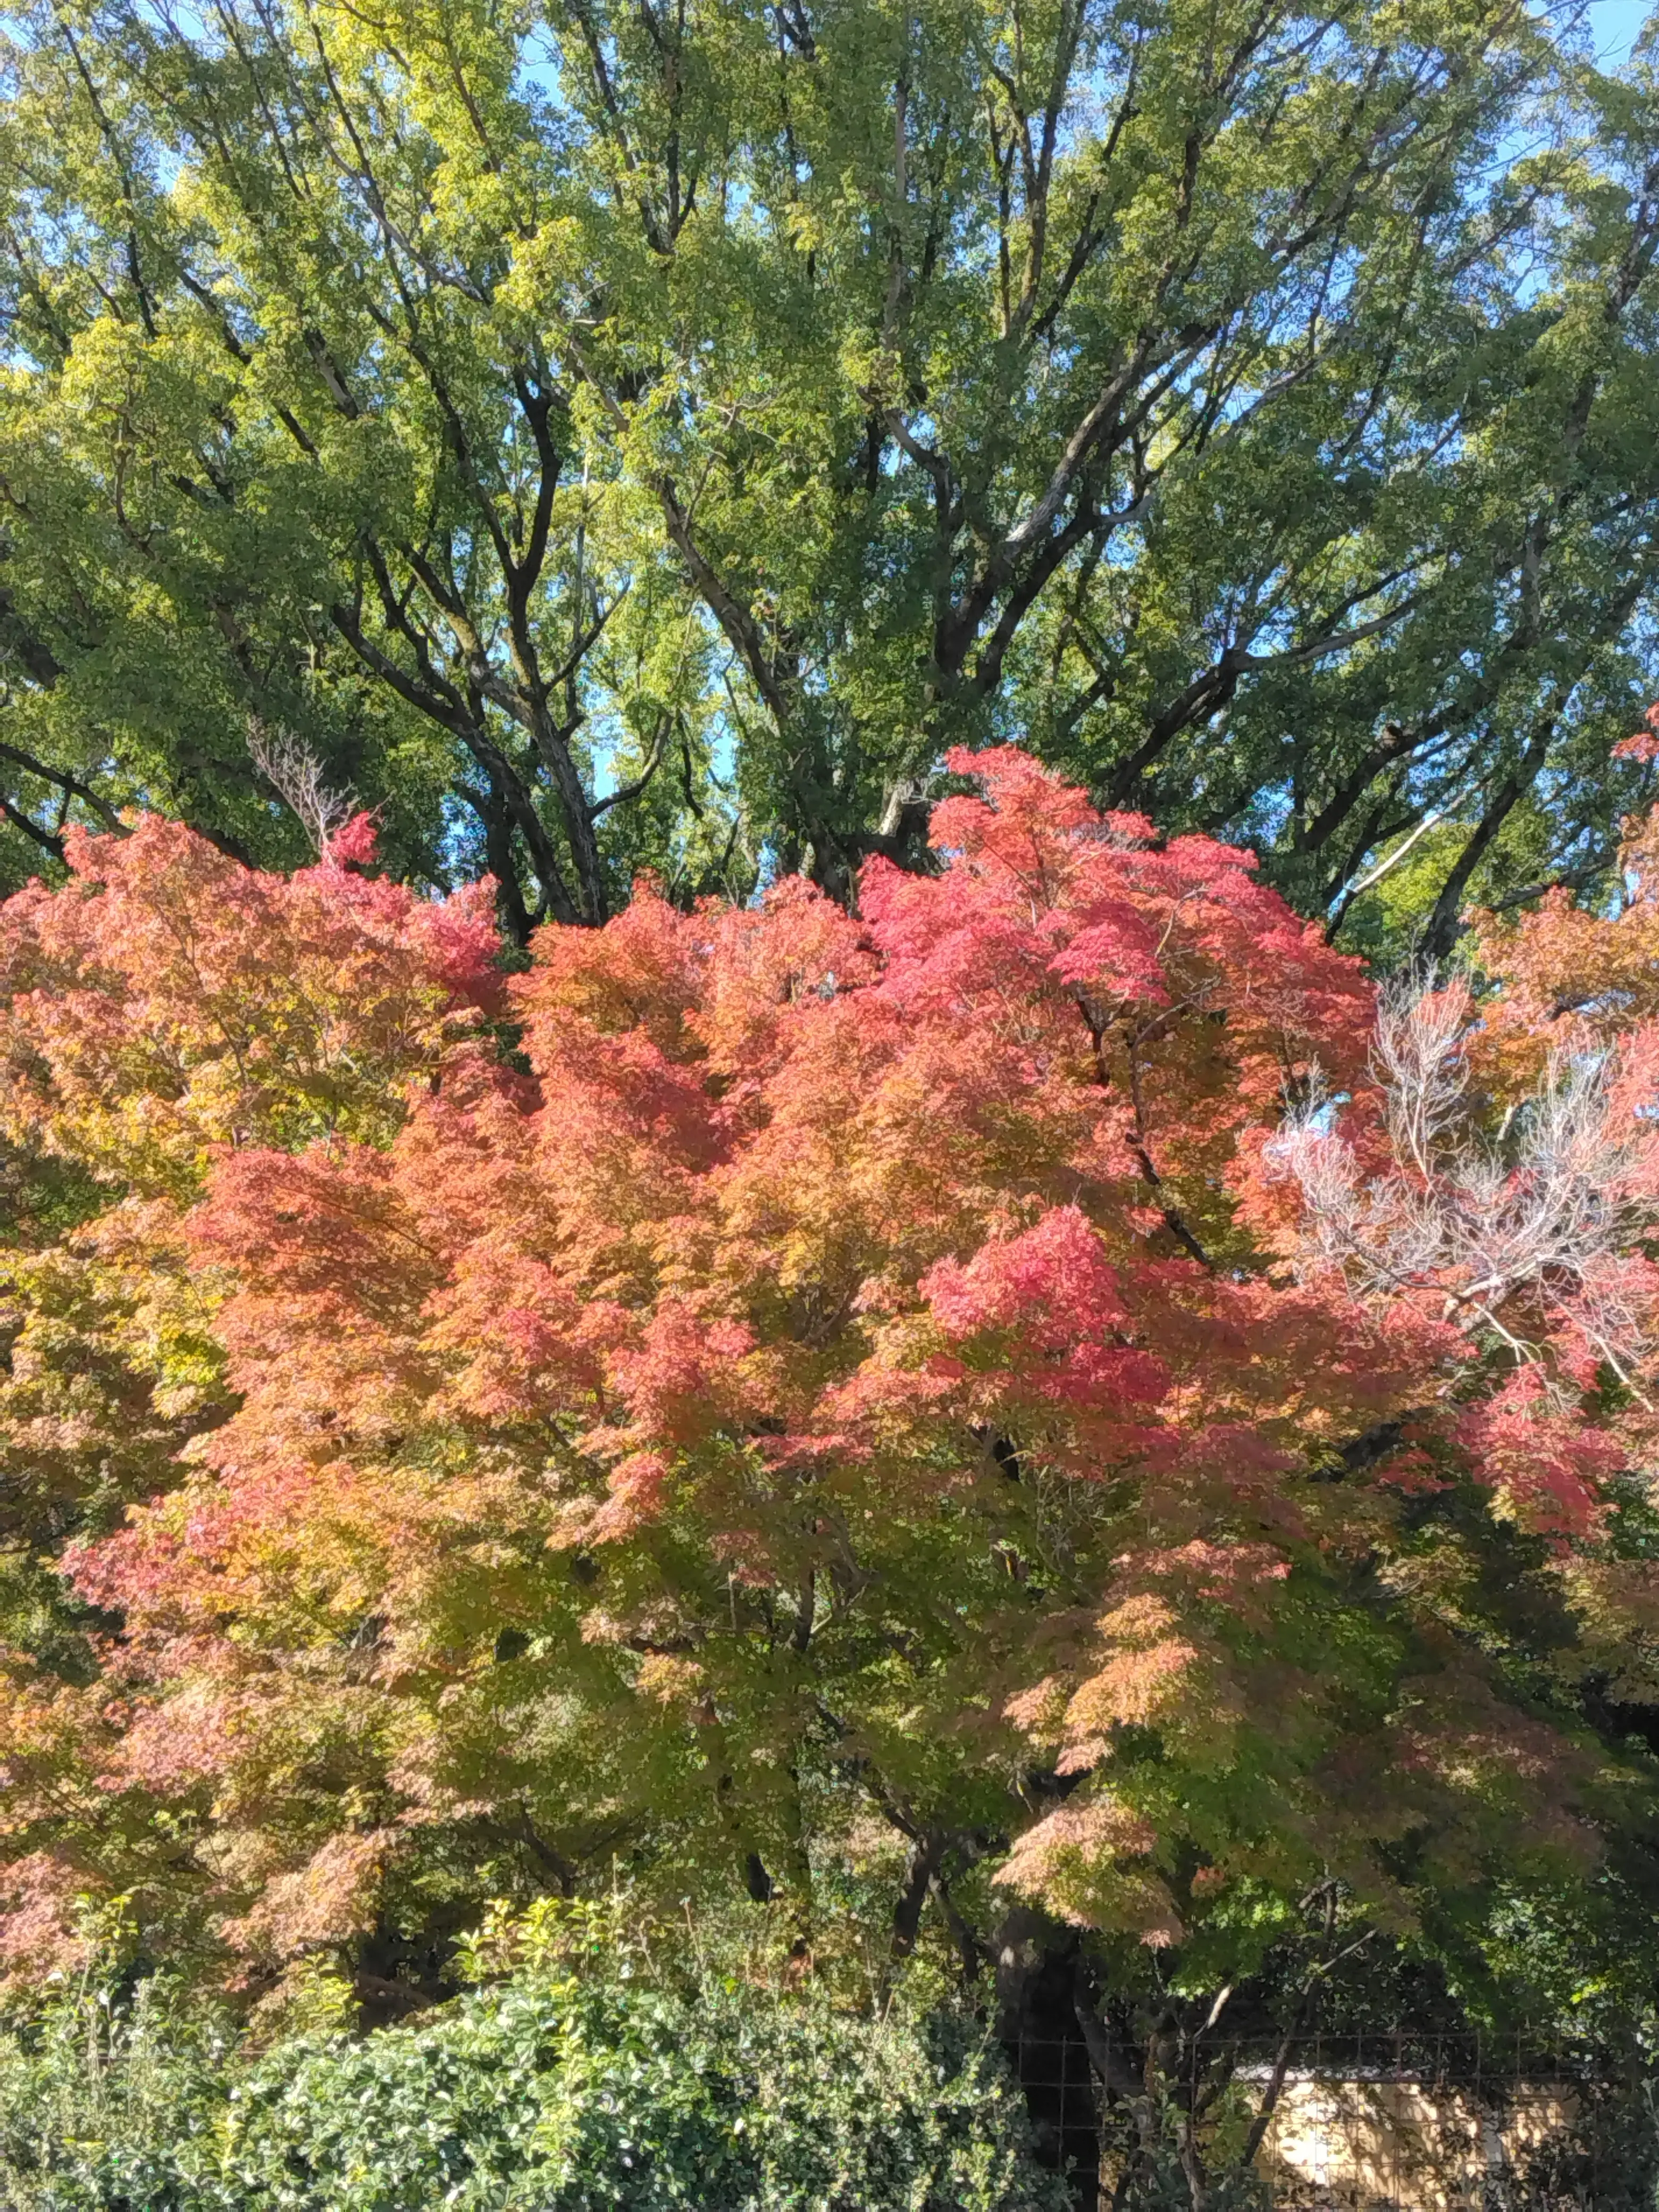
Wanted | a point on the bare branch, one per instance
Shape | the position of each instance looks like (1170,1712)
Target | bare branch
(296,775)
(1524,1231)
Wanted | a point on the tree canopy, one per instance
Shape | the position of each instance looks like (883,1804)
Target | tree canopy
(1053,1390)
(654,434)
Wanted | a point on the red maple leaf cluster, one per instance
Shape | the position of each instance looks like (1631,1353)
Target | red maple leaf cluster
(1051,1365)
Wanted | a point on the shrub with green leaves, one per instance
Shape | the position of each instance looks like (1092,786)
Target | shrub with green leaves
(570,2097)
(566,2088)
(109,2102)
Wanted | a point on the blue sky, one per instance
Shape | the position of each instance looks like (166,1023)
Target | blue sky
(1615,23)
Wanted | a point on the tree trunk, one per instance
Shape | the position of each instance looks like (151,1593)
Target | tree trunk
(1037,2025)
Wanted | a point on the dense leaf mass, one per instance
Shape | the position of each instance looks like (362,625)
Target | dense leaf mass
(1019,1385)
(616,435)
(612,2088)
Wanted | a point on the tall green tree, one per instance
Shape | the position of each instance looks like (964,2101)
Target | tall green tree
(652,434)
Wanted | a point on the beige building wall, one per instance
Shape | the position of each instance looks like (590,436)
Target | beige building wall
(1401,2146)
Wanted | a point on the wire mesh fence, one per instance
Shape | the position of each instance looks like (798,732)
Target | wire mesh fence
(1397,2122)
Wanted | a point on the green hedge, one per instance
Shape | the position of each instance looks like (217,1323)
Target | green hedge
(550,2093)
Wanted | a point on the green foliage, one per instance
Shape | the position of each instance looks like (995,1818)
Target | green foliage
(583,2083)
(111,2087)
(616,437)
(1607,2160)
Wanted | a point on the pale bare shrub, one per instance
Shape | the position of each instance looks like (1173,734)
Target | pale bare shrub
(1525,1226)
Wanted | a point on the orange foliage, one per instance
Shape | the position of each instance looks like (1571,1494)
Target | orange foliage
(864,1363)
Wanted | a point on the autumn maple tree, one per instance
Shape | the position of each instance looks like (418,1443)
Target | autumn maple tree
(1047,1393)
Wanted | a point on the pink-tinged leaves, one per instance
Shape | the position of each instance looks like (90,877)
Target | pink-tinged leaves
(854,1344)
(1049,1302)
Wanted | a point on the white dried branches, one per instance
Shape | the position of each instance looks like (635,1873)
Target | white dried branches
(296,774)
(1526,1229)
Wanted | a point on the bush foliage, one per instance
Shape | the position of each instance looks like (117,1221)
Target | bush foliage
(599,2090)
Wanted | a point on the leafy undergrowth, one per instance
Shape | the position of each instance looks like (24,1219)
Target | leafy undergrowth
(566,2090)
